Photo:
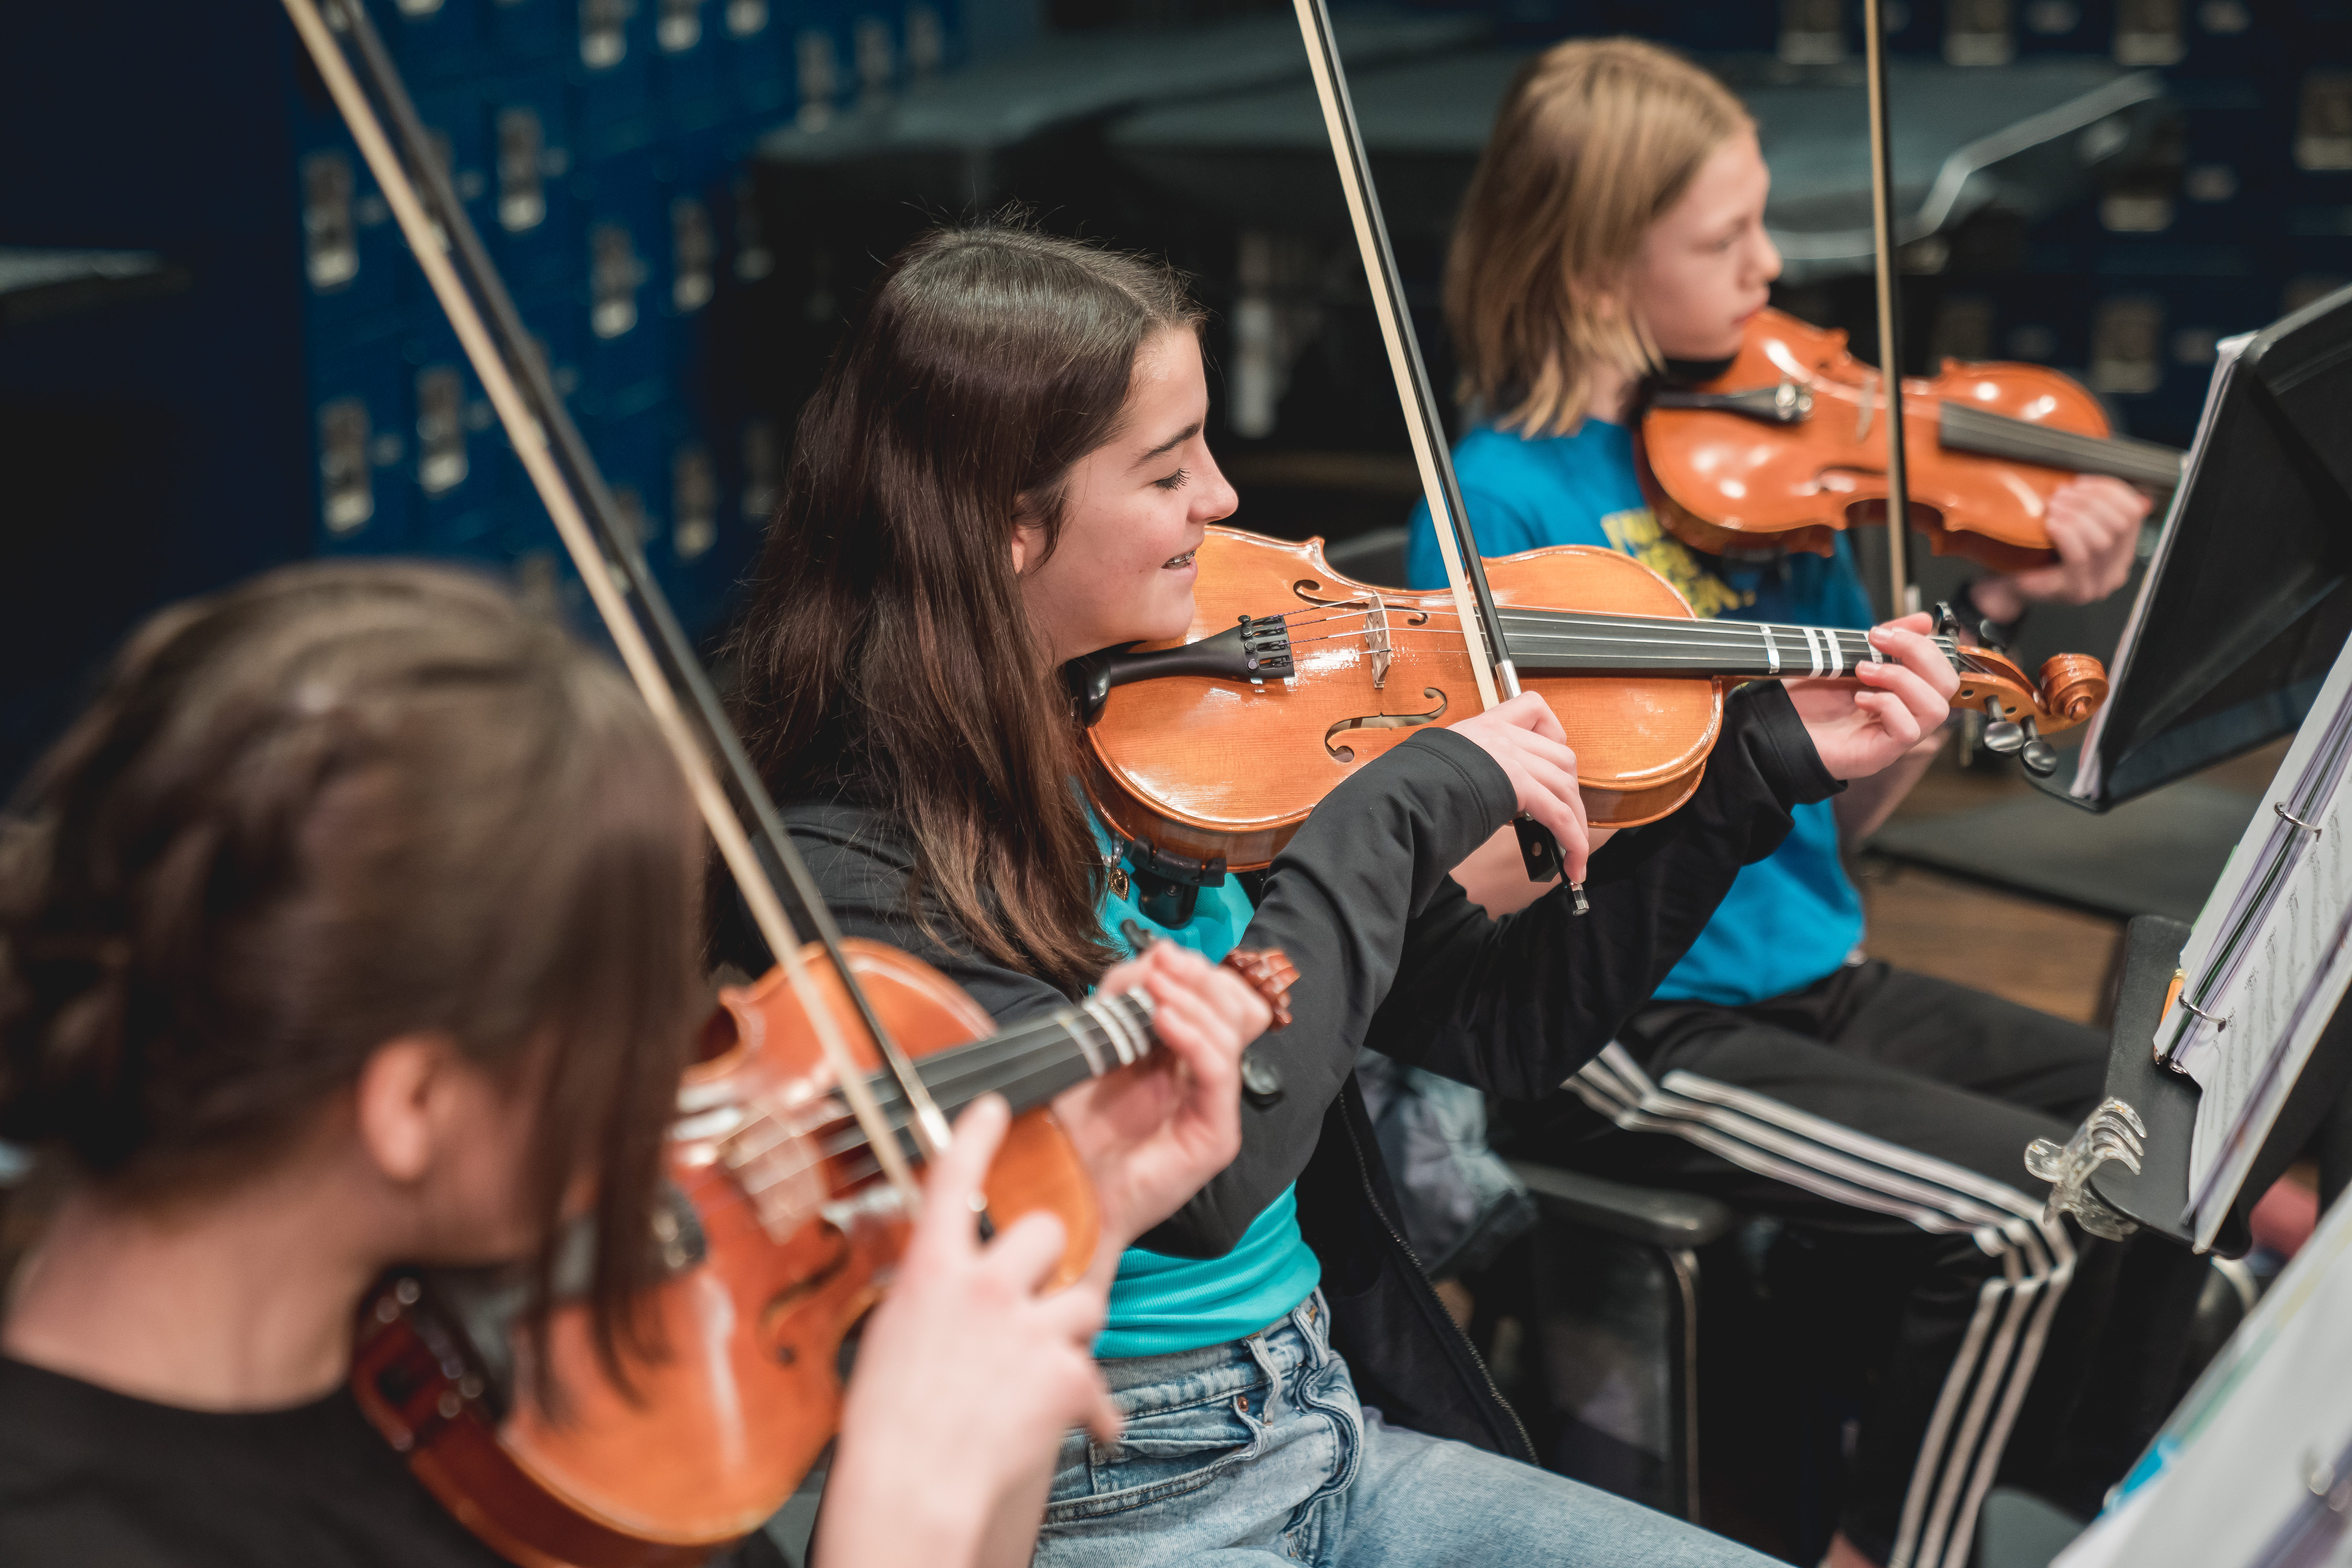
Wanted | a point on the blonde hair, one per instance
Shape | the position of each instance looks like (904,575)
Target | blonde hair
(1596,138)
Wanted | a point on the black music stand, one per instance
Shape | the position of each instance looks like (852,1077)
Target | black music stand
(2249,598)
(2157,1196)
(2237,625)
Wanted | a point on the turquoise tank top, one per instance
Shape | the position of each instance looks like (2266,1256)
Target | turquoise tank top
(1160,1304)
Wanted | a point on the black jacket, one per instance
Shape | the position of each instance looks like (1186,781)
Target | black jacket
(1392,954)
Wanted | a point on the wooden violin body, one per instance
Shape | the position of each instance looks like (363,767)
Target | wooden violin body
(1217,766)
(1789,445)
(782,1237)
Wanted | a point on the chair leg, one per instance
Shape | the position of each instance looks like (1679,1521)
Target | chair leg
(1685,1263)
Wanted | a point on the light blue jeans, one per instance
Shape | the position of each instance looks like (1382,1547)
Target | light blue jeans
(1258,1452)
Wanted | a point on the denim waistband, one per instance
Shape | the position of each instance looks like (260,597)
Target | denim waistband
(1298,1336)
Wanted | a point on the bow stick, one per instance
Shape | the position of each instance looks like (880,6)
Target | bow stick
(657,653)
(1466,569)
(1904,597)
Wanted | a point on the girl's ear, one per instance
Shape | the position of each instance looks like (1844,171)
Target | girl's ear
(1606,298)
(404,1103)
(1028,536)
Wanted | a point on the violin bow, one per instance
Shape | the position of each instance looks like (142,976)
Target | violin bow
(611,563)
(1466,569)
(1904,597)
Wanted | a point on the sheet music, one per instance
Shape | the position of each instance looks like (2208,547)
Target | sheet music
(2242,1474)
(2090,770)
(2267,960)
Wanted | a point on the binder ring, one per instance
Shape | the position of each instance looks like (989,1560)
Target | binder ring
(2219,1024)
(2280,806)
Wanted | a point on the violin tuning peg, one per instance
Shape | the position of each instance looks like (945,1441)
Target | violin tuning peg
(2040,757)
(2004,735)
(1948,624)
(1992,634)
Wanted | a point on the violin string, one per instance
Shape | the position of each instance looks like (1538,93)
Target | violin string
(1512,616)
(1857,653)
(1958,654)
(1732,630)
(981,1067)
(1718,631)
(1849,643)
(971,1076)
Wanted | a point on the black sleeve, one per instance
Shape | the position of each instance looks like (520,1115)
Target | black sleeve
(1516,1006)
(1338,901)
(862,869)
(1392,953)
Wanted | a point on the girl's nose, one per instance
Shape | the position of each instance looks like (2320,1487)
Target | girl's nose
(1217,499)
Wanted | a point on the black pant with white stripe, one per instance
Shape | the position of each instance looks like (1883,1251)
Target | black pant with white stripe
(1894,1109)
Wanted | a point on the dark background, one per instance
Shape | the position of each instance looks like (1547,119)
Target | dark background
(739,166)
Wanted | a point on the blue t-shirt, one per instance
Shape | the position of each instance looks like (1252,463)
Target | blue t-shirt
(1790,919)
(1160,1304)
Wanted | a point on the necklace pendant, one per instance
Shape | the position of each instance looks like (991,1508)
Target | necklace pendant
(1119,884)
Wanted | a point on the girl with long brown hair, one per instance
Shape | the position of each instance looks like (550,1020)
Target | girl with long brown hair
(1004,467)
(353,924)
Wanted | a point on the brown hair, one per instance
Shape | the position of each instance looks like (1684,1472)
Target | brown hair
(338,804)
(1596,138)
(887,656)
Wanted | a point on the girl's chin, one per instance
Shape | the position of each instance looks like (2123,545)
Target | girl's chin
(1167,623)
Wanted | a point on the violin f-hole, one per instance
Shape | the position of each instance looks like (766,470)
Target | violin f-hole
(833,1257)
(1382,721)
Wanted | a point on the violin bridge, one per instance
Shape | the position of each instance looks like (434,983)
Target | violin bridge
(775,1164)
(1376,639)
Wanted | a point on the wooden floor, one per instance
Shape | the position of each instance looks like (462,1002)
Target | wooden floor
(2053,959)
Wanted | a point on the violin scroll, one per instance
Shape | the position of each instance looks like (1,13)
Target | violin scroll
(2074,685)
(2020,710)
(1268,972)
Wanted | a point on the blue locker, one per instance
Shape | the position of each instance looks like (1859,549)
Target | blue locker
(531,35)
(611,78)
(1714,25)
(702,551)
(823,65)
(622,281)
(2152,343)
(2316,264)
(353,259)
(532,232)
(362,447)
(696,269)
(551,315)
(755,63)
(689,76)
(2233,40)
(452,467)
(2064,27)
(2233,178)
(432,40)
(452,115)
(632,449)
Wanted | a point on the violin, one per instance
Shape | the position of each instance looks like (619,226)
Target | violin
(1297,675)
(790,1162)
(1789,445)
(777,1234)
